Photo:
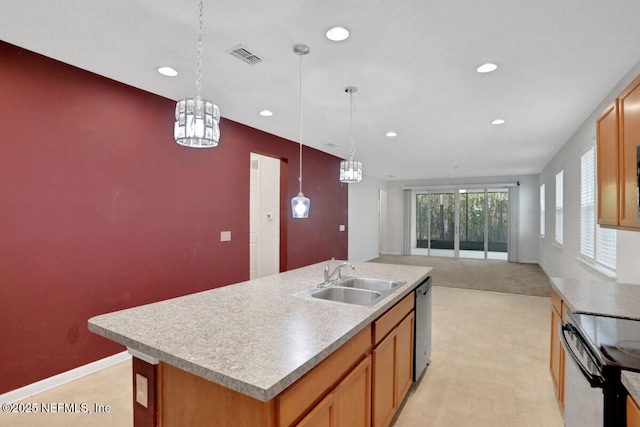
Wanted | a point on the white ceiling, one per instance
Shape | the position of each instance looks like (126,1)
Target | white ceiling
(413,62)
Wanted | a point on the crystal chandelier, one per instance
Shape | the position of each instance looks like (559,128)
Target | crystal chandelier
(350,170)
(197,119)
(300,204)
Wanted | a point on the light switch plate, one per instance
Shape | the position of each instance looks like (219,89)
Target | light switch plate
(142,390)
(225,236)
(342,227)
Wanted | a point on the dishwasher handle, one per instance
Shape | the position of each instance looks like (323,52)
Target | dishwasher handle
(424,287)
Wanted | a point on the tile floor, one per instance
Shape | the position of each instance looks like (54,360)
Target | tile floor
(489,367)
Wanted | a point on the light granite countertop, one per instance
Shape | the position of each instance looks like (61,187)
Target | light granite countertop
(607,299)
(603,298)
(254,337)
(631,381)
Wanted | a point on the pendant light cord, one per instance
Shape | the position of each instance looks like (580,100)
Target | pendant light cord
(300,138)
(199,69)
(351,108)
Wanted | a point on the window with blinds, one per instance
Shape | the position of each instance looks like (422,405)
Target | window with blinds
(587,205)
(559,207)
(596,244)
(542,195)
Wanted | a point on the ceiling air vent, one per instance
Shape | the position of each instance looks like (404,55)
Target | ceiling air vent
(243,53)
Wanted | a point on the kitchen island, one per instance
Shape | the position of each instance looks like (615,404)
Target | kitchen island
(251,341)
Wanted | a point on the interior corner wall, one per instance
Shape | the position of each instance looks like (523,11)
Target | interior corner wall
(101,210)
(564,261)
(364,218)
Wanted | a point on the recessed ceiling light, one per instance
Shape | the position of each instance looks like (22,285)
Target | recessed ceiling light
(391,134)
(487,68)
(167,71)
(337,34)
(266,113)
(497,122)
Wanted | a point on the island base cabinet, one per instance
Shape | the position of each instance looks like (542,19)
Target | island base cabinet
(348,405)
(384,401)
(404,355)
(189,400)
(392,371)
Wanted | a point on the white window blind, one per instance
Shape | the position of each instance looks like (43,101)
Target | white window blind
(587,204)
(542,209)
(596,243)
(559,207)
(606,247)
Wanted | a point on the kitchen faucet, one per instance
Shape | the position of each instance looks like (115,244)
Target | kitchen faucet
(328,277)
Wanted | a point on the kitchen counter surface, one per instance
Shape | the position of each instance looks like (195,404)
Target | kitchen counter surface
(254,337)
(603,298)
(631,381)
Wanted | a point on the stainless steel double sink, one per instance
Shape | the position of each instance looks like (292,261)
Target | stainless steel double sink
(352,290)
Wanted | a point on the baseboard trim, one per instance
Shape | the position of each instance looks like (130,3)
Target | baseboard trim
(62,378)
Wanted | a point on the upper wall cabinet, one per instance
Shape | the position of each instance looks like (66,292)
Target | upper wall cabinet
(618,132)
(608,189)
(629,143)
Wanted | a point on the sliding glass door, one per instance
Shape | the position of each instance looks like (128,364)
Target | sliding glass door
(436,223)
(466,223)
(472,223)
(497,223)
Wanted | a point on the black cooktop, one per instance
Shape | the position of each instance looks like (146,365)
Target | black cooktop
(616,340)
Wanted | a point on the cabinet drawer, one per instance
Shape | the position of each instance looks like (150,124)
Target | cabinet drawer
(305,393)
(385,323)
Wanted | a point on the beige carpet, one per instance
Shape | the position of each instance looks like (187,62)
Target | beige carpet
(486,275)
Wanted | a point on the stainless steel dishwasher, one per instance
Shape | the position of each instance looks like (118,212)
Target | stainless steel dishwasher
(422,331)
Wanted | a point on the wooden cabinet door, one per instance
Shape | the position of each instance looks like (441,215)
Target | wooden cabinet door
(353,397)
(557,357)
(629,141)
(633,413)
(608,170)
(322,415)
(348,405)
(404,356)
(384,381)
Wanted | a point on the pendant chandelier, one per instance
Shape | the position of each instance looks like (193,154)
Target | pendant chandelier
(197,119)
(300,203)
(350,170)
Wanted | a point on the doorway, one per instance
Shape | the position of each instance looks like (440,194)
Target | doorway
(264,216)
(465,223)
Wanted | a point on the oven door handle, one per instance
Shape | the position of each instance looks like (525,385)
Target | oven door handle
(594,380)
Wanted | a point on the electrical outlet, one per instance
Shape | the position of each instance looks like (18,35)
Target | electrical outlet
(342,227)
(225,236)
(142,390)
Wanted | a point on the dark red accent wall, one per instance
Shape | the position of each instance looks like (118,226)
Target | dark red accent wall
(101,210)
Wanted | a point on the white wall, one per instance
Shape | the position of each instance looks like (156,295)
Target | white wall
(528,207)
(364,229)
(565,261)
(528,219)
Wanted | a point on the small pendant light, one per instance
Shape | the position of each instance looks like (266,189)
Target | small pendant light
(300,203)
(197,119)
(350,170)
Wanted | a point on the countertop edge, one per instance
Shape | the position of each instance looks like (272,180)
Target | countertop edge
(600,298)
(240,386)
